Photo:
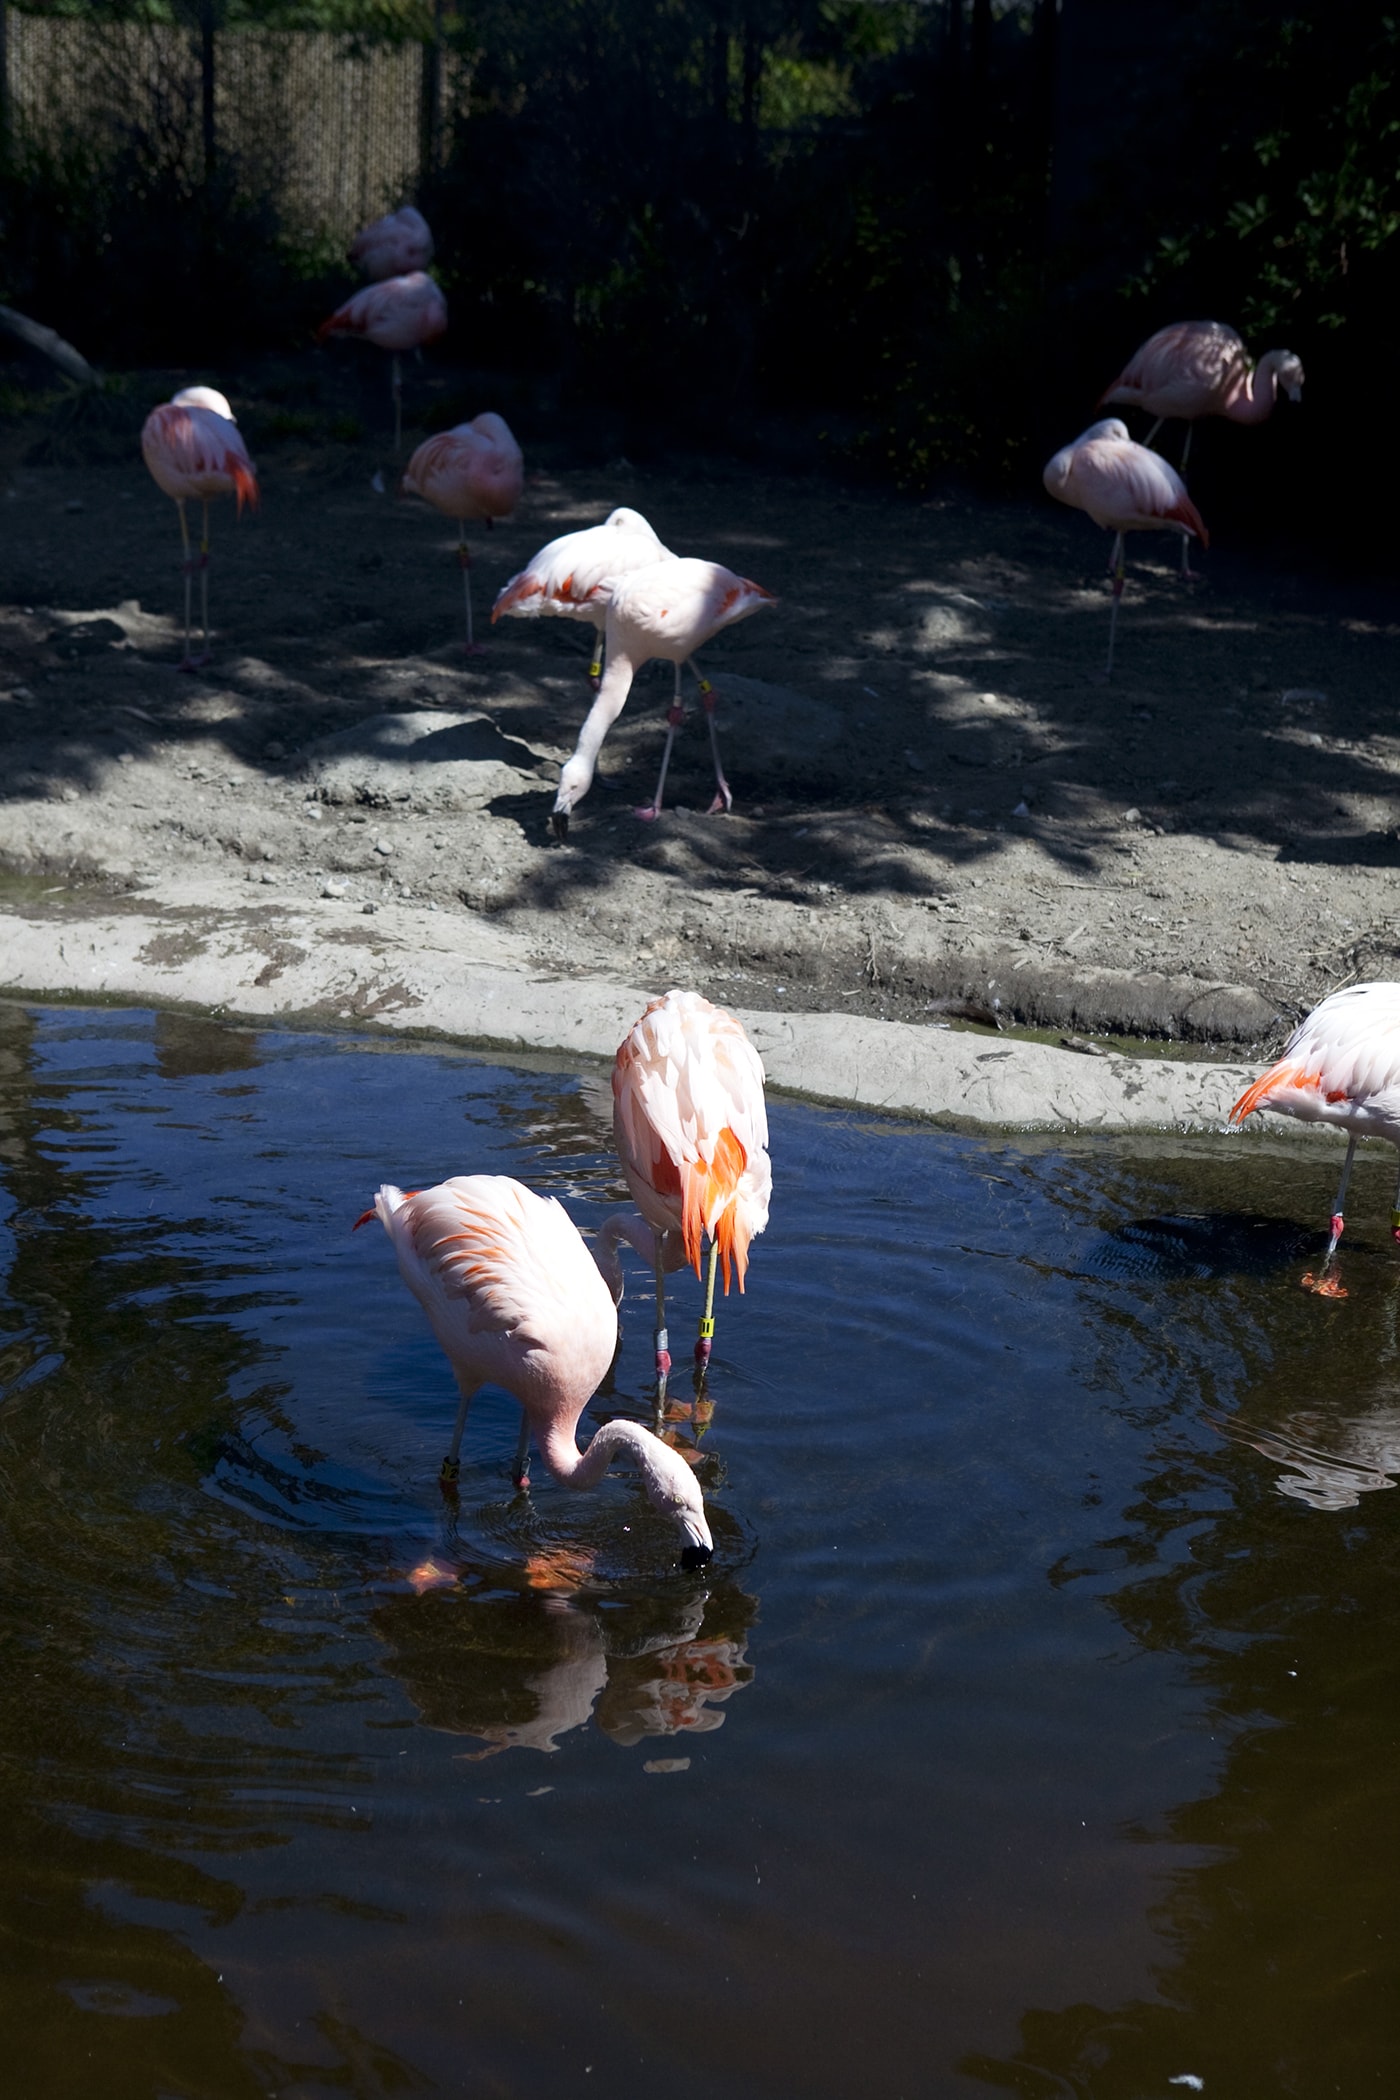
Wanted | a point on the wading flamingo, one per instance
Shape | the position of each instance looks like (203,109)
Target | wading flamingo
(691,1129)
(393,246)
(474,471)
(516,1300)
(1342,1066)
(194,449)
(1124,488)
(668,609)
(1201,368)
(560,581)
(402,313)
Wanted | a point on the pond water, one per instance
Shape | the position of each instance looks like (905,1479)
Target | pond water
(1033,1731)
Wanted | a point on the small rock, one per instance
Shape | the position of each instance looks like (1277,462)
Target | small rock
(126,758)
(333,888)
(71,794)
(369,909)
(385,846)
(1022,809)
(313,810)
(269,876)
(1132,816)
(1082,1043)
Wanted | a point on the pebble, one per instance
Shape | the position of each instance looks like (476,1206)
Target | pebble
(385,846)
(314,811)
(368,909)
(334,889)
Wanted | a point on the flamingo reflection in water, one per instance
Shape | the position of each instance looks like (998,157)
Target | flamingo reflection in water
(521,1669)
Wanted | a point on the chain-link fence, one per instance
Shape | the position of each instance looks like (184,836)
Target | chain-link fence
(332,129)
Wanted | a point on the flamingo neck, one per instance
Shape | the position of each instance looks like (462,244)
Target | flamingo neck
(584,1469)
(612,697)
(622,1225)
(1257,394)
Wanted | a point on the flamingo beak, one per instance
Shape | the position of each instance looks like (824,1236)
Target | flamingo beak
(559,823)
(694,1557)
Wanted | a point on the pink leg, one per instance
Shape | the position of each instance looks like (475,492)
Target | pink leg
(1118,566)
(724,800)
(464,559)
(675,715)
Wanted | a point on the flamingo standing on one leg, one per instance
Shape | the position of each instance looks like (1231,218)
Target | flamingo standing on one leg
(474,471)
(516,1300)
(393,246)
(570,578)
(194,449)
(401,313)
(1124,488)
(668,609)
(1201,368)
(1341,1065)
(691,1128)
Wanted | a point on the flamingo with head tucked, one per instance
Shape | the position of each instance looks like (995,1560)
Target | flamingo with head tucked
(401,313)
(195,450)
(571,578)
(1125,488)
(474,471)
(1192,369)
(516,1300)
(668,609)
(1342,1066)
(393,246)
(690,1123)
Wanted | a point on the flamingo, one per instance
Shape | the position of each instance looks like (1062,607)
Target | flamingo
(1125,488)
(668,609)
(1201,368)
(393,246)
(1341,1065)
(559,581)
(516,1300)
(691,1129)
(474,471)
(194,448)
(401,313)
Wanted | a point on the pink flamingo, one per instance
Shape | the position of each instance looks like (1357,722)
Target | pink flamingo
(668,609)
(194,449)
(516,1300)
(1124,488)
(474,471)
(691,1128)
(393,246)
(562,579)
(402,313)
(1201,368)
(1341,1065)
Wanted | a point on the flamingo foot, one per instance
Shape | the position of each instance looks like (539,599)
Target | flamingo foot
(521,1483)
(648,815)
(1324,1286)
(473,648)
(722,803)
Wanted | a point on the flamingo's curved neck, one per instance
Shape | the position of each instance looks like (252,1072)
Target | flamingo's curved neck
(612,696)
(1255,398)
(584,1469)
(622,1225)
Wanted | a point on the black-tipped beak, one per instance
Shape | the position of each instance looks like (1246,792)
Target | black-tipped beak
(693,1557)
(559,821)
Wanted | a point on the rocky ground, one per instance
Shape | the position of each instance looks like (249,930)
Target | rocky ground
(937,805)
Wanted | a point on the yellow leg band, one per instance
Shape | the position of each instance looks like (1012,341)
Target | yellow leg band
(707,1328)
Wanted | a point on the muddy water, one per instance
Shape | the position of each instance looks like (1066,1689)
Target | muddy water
(1034,1730)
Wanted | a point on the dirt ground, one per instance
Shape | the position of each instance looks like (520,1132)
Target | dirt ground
(937,803)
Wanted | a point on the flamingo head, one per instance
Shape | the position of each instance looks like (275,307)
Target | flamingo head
(574,783)
(209,397)
(1290,374)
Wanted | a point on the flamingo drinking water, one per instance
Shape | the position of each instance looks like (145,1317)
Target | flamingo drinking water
(474,471)
(401,313)
(195,450)
(1342,1066)
(516,1300)
(571,578)
(1125,488)
(669,609)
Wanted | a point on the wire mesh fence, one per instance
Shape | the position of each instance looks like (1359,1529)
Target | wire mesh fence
(332,129)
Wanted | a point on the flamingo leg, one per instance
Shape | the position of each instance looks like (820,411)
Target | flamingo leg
(520,1469)
(1117,562)
(464,557)
(660,1338)
(724,800)
(675,715)
(1395,1214)
(204,582)
(452,1464)
(186,661)
(595,669)
(1325,1284)
(1155,428)
(706,1339)
(1186,569)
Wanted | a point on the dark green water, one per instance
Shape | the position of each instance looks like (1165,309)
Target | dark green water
(1035,1730)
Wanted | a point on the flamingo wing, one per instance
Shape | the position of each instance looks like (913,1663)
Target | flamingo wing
(193,452)
(1189,368)
(574,573)
(1341,1064)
